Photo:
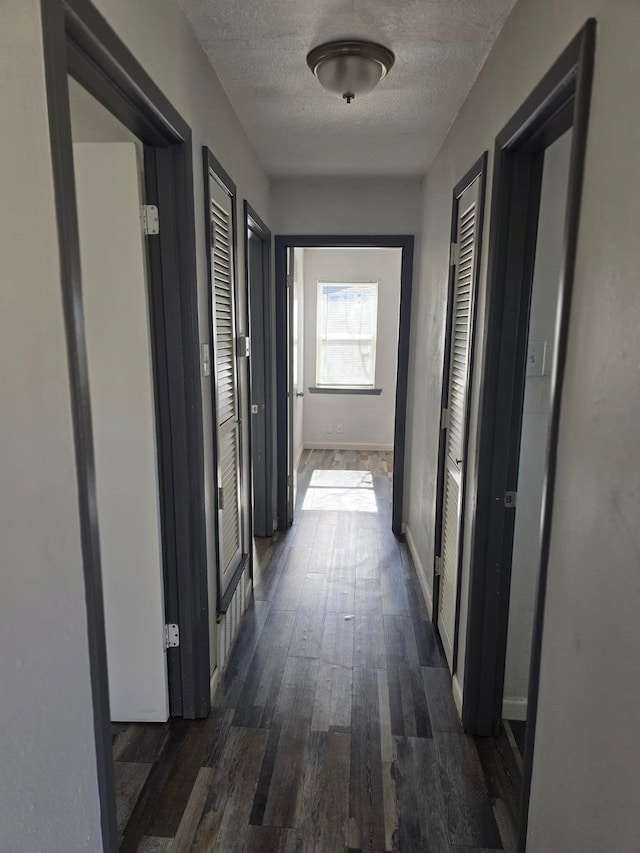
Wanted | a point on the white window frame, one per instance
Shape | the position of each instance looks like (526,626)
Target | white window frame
(374,285)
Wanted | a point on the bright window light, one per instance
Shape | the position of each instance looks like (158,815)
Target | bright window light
(341,491)
(346,334)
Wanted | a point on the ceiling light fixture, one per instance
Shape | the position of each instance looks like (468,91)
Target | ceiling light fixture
(350,68)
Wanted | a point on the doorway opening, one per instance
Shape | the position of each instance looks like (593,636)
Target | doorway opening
(342,341)
(260,299)
(110,192)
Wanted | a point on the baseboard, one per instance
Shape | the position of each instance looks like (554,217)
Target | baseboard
(213,682)
(345,445)
(514,709)
(420,570)
(456,689)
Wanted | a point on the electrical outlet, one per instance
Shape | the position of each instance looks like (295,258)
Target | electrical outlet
(339,428)
(329,429)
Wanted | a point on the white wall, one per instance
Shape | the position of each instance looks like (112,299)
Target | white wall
(368,421)
(48,783)
(535,427)
(587,761)
(92,122)
(157,33)
(346,205)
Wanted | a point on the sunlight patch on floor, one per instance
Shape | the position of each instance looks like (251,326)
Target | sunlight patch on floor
(341,491)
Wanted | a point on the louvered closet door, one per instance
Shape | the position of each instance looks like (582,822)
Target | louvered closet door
(226,375)
(464,257)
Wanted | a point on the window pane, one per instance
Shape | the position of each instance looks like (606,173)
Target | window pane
(349,311)
(347,319)
(346,363)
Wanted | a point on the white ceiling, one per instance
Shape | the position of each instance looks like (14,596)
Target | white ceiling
(258,49)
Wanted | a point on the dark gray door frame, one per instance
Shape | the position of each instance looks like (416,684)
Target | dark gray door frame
(212,168)
(282,244)
(560,101)
(254,225)
(77,40)
(477,171)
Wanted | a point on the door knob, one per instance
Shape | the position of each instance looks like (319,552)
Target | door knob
(299,393)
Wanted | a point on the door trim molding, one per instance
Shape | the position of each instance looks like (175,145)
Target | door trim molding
(78,40)
(561,100)
(253,223)
(477,171)
(306,241)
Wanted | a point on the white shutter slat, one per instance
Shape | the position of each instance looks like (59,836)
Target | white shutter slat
(223,300)
(228,463)
(461,327)
(449,576)
(226,374)
(464,275)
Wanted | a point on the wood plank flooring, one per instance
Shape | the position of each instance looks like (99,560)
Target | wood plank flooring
(333,728)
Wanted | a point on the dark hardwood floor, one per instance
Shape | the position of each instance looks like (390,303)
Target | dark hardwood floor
(334,728)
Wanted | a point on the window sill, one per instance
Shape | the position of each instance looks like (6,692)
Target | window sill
(328,389)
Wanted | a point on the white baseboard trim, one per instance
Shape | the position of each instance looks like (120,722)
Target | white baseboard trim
(213,682)
(514,709)
(456,689)
(420,570)
(345,445)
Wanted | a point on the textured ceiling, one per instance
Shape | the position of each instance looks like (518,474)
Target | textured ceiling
(258,49)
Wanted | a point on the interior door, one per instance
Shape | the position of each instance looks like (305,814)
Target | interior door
(464,253)
(262,524)
(292,478)
(225,355)
(116,314)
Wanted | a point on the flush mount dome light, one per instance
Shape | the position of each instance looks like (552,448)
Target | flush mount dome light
(350,68)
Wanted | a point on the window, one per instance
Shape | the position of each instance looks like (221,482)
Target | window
(346,334)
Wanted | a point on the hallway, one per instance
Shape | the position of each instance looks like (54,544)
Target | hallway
(334,727)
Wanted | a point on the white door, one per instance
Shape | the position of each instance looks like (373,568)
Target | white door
(464,258)
(296,369)
(226,385)
(116,313)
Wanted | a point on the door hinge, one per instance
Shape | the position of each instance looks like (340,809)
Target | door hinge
(454,255)
(171,636)
(444,419)
(220,497)
(438,566)
(289,480)
(150,219)
(254,409)
(289,280)
(206,359)
(510,499)
(242,346)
